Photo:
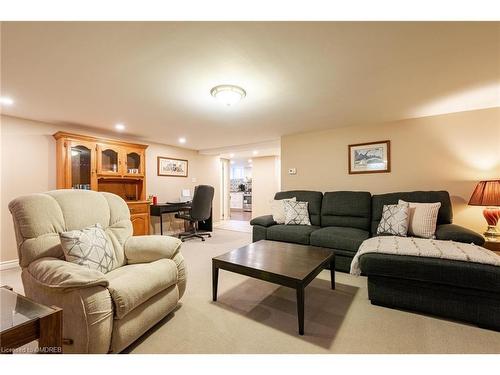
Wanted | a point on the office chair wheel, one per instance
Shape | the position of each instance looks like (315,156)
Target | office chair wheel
(209,235)
(202,239)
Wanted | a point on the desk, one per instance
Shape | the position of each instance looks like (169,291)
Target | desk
(171,207)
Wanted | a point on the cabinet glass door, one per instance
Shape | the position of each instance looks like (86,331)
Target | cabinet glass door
(81,167)
(134,163)
(108,160)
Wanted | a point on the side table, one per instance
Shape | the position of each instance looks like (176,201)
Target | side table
(493,246)
(24,320)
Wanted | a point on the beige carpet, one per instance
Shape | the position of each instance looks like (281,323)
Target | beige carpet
(253,316)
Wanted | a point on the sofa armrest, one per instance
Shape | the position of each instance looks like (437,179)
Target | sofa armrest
(146,249)
(265,221)
(64,276)
(457,233)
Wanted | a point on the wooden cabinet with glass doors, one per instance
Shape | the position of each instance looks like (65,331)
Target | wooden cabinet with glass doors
(90,163)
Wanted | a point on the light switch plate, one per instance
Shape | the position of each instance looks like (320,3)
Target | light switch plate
(292,171)
(193,179)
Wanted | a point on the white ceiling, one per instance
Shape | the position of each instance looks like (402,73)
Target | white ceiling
(156,76)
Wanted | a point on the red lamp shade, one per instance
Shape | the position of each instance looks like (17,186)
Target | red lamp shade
(486,193)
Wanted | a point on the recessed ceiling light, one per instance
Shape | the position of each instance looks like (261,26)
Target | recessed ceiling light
(4,100)
(231,155)
(249,160)
(120,127)
(255,152)
(182,140)
(228,94)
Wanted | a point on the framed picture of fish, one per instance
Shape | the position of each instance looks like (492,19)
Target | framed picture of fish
(373,157)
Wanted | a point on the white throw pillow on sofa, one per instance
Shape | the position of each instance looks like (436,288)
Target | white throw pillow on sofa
(394,220)
(297,213)
(423,219)
(278,209)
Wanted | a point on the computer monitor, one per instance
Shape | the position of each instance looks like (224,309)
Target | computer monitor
(185,195)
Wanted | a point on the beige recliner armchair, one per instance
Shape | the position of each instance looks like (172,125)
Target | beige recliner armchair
(101,312)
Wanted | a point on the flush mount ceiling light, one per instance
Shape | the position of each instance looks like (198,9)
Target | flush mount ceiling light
(120,127)
(182,140)
(228,94)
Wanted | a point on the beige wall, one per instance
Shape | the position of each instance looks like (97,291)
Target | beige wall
(28,166)
(450,152)
(265,183)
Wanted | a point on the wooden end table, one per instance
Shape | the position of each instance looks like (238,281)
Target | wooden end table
(23,321)
(286,264)
(493,246)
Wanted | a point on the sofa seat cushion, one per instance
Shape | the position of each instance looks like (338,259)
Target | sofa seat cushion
(433,270)
(343,238)
(132,285)
(291,233)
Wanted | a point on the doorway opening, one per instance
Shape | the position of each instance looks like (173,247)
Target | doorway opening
(240,190)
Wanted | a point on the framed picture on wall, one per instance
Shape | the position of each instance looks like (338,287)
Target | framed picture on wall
(373,157)
(172,167)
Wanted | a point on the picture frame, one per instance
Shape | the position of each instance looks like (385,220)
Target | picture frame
(172,167)
(371,157)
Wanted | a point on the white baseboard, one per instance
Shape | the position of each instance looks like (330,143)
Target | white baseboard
(9,264)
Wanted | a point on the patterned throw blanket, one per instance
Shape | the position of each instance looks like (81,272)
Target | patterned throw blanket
(424,247)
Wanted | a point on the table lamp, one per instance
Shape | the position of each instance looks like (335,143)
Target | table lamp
(487,193)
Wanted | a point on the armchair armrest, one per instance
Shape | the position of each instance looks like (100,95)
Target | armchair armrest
(58,274)
(457,233)
(265,221)
(146,249)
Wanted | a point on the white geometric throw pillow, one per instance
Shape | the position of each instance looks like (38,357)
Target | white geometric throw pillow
(88,247)
(395,219)
(278,209)
(423,219)
(297,213)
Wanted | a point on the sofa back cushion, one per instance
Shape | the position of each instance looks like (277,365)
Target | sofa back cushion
(346,209)
(445,215)
(313,198)
(39,218)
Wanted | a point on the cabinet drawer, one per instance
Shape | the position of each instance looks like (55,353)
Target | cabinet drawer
(138,208)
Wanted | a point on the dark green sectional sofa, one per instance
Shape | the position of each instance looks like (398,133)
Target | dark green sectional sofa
(342,220)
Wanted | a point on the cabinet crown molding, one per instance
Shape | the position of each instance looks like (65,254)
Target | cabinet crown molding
(88,138)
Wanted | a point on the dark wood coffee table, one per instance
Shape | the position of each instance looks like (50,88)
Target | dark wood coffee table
(290,265)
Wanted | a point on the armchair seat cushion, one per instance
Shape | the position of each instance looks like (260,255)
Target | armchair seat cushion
(291,233)
(132,285)
(343,238)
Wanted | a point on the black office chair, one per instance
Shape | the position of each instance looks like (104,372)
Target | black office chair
(201,209)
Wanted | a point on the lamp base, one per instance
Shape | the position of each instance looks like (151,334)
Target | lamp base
(492,233)
(492,214)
